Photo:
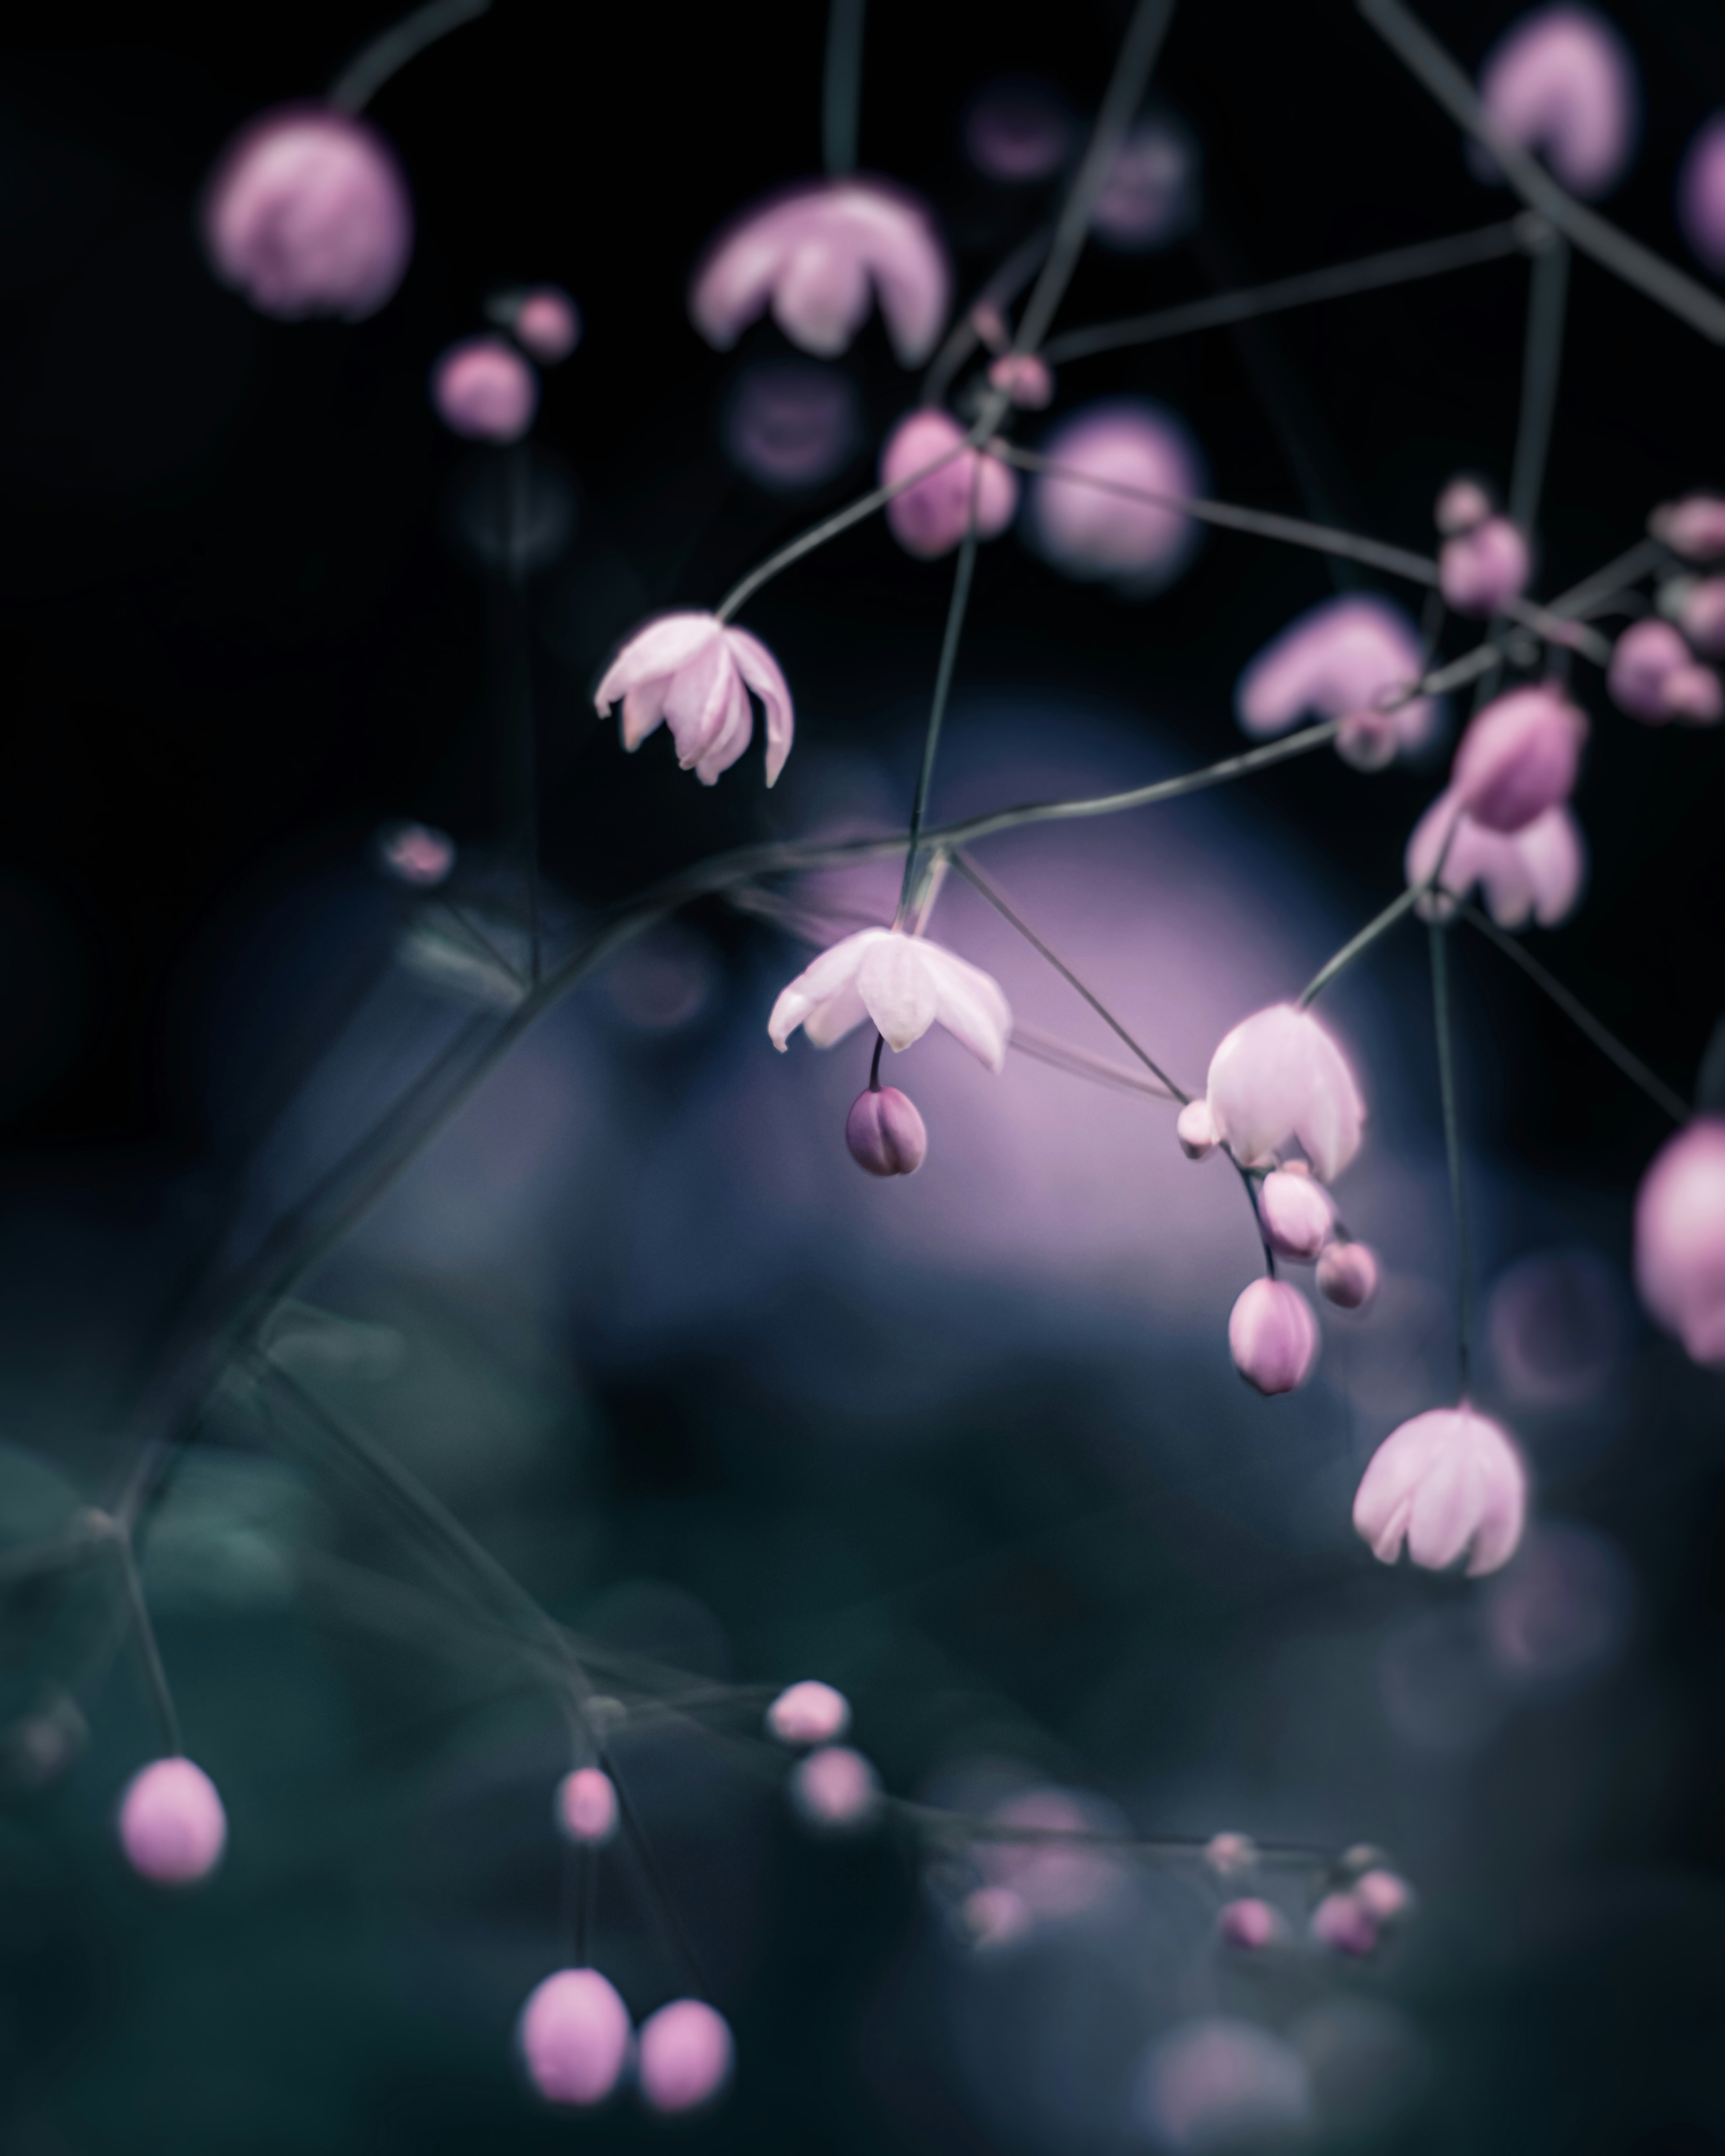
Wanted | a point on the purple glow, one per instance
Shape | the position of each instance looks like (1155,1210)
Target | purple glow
(1150,198)
(548,323)
(1702,615)
(1017,130)
(1221,2084)
(574,2037)
(1561,82)
(1560,1614)
(1051,1879)
(1139,546)
(835,1790)
(415,854)
(1700,194)
(686,2054)
(1463,504)
(1555,1322)
(172,1827)
(484,389)
(1680,1238)
(790,423)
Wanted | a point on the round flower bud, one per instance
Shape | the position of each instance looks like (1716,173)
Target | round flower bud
(1384,1896)
(1463,504)
(547,322)
(1196,1130)
(1367,740)
(1272,1337)
(1229,1855)
(587,1806)
(574,2037)
(835,1790)
(1343,1923)
(1482,570)
(808,1713)
(1643,660)
(1693,696)
(1348,1275)
(172,1827)
(1025,378)
(1251,1925)
(884,1133)
(686,2052)
(1297,1214)
(1701,610)
(483,389)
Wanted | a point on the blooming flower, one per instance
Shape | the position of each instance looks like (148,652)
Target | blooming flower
(1278,1076)
(686,2052)
(172,1826)
(1538,872)
(817,256)
(307,212)
(1518,757)
(905,985)
(884,1133)
(1561,81)
(483,389)
(931,517)
(1297,1214)
(1350,655)
(692,670)
(1700,194)
(1482,569)
(574,2037)
(1680,1238)
(1348,1275)
(1450,1480)
(1091,533)
(1272,1337)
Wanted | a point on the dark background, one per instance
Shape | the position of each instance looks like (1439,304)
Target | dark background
(236,636)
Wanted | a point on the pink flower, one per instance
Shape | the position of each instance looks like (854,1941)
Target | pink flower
(818,256)
(547,322)
(905,985)
(808,1713)
(1092,533)
(1643,659)
(931,517)
(1272,1337)
(685,2055)
(172,1827)
(1278,1076)
(1536,872)
(587,1806)
(1348,1275)
(574,2037)
(1518,757)
(483,389)
(415,854)
(1702,612)
(692,670)
(1680,1238)
(1251,1925)
(1482,569)
(835,1790)
(1385,1896)
(1195,1127)
(1463,504)
(884,1133)
(1345,1925)
(1693,527)
(307,212)
(1026,379)
(1561,81)
(1448,1481)
(1350,655)
(1700,194)
(1297,1212)
(1230,1854)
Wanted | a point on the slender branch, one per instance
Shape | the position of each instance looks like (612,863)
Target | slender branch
(941,1825)
(841,85)
(1367,936)
(1060,1054)
(1000,292)
(1606,583)
(1547,301)
(1452,1150)
(156,1675)
(963,576)
(367,72)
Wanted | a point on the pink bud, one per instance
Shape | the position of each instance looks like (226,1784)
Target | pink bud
(548,323)
(1272,1337)
(1367,740)
(1703,616)
(1680,1238)
(931,517)
(1482,570)
(1463,504)
(1384,1896)
(685,2055)
(995,1916)
(808,1713)
(587,1806)
(1343,1923)
(1643,659)
(1693,696)
(1108,533)
(1027,380)
(172,1827)
(415,854)
(1348,1275)
(1693,527)
(1229,1855)
(483,389)
(1561,81)
(1196,1130)
(884,1133)
(1519,757)
(574,2036)
(1251,1926)
(1700,194)
(1297,1214)
(836,1789)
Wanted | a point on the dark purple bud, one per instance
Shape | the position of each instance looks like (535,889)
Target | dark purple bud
(884,1132)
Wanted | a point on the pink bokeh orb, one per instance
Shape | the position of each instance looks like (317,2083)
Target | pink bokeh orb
(548,323)
(415,854)
(574,2037)
(172,1827)
(1250,1925)
(686,2057)
(1701,195)
(835,1790)
(810,1712)
(1091,520)
(587,1806)
(484,389)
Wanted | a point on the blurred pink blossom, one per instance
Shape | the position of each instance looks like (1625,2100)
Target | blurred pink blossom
(1348,1275)
(810,1712)
(884,1133)
(1091,533)
(1272,1337)
(1278,1076)
(1384,1896)
(1701,613)
(1561,81)
(483,389)
(1680,1238)
(836,1789)
(905,985)
(1693,527)
(415,854)
(1220,2083)
(1251,1925)
(1150,198)
(547,322)
(574,2037)
(1482,569)
(1448,1481)
(1695,696)
(1643,659)
(931,517)
(1344,1924)
(1700,194)
(1230,1854)
(587,1806)
(819,255)
(692,670)
(1536,872)
(1463,504)
(1026,379)
(1349,655)
(172,1827)
(307,212)
(1050,1877)
(1297,1214)
(1519,756)
(686,2053)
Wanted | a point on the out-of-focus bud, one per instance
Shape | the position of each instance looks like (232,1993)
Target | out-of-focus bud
(1151,198)
(1700,194)
(547,322)
(1358,659)
(574,2037)
(930,518)
(587,1806)
(1643,659)
(1561,81)
(1196,1130)
(1017,130)
(1367,740)
(808,1713)
(1519,757)
(1345,1925)
(835,1790)
(1463,504)
(415,854)
(1482,569)
(1348,1275)
(1385,1896)
(884,1133)
(1693,527)
(1297,1214)
(1230,1855)
(172,1827)
(1251,1925)
(1026,379)
(483,389)
(1694,697)
(1272,1337)
(685,2056)
(1701,611)
(1680,1238)
(1094,533)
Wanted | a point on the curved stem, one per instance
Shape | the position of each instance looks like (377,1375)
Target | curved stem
(1546,308)
(366,74)
(154,1671)
(1452,1150)
(841,85)
(963,576)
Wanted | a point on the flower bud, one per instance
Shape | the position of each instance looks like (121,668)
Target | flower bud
(548,323)
(1693,694)
(1694,527)
(1482,570)
(172,1827)
(574,2036)
(835,1790)
(1385,1896)
(1229,1855)
(1519,757)
(1297,1214)
(808,1713)
(1343,1923)
(1643,659)
(685,2055)
(587,1806)
(1702,612)
(1272,1337)
(483,389)
(1348,1275)
(884,1133)
(1463,504)
(1251,1925)
(1367,740)
(1196,1130)
(1025,378)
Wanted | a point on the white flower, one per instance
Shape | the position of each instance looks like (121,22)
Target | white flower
(1447,1481)
(905,985)
(692,671)
(1278,1076)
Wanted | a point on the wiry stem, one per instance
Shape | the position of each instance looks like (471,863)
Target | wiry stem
(154,1671)
(1546,308)
(367,72)
(1452,1150)
(963,576)
(1364,942)
(841,85)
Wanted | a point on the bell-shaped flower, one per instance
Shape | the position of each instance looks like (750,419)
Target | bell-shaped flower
(1272,1337)
(1450,1480)
(1536,873)
(819,256)
(1693,527)
(1297,1214)
(694,673)
(1350,655)
(1278,1076)
(1561,82)
(172,1826)
(686,2051)
(1700,194)
(884,1133)
(307,212)
(587,1806)
(1348,1275)
(1111,512)
(574,2037)
(484,389)
(1480,570)
(810,1712)
(1654,676)
(1519,756)
(1680,1238)
(931,517)
(905,984)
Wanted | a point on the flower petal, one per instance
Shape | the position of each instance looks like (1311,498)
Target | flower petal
(833,971)
(839,1014)
(762,673)
(971,1005)
(661,647)
(900,988)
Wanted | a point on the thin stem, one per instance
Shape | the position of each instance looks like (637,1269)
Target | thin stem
(874,1065)
(978,882)
(1060,1054)
(841,85)
(1400,265)
(1547,300)
(1452,1150)
(962,579)
(156,1675)
(1364,942)
(1423,56)
(1002,289)
(660,1892)
(367,72)
(1631,1065)
(523,729)
(1606,583)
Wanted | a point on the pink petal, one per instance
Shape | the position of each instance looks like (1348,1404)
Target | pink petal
(1561,81)
(761,671)
(829,1021)
(821,298)
(898,989)
(970,1006)
(833,973)
(657,650)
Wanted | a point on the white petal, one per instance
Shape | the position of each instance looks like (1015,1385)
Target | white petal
(660,648)
(971,1005)
(835,970)
(761,671)
(898,989)
(839,1014)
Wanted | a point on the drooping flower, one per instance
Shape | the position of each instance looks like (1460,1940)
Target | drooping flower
(1446,1483)
(905,984)
(574,2037)
(1347,658)
(930,518)
(1297,1212)
(1680,1238)
(835,1790)
(819,256)
(1518,757)
(307,212)
(884,1133)
(1535,873)
(1693,527)
(693,672)
(1654,676)
(1700,194)
(1561,82)
(172,1827)
(1482,569)
(1081,527)
(686,2052)
(1272,1337)
(1278,1076)
(483,389)
(587,1806)
(1348,1275)
(810,1712)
